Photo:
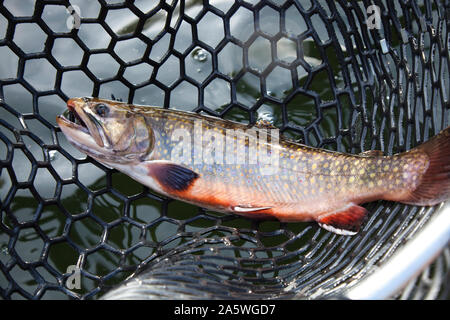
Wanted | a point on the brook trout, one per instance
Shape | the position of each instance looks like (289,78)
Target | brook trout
(160,149)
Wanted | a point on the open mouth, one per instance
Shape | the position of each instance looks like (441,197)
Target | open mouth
(76,121)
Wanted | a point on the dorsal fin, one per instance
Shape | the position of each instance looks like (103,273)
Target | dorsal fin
(264,124)
(372,153)
(245,209)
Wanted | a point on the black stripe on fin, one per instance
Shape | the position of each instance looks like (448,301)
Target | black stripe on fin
(172,176)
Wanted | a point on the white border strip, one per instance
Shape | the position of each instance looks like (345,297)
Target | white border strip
(408,262)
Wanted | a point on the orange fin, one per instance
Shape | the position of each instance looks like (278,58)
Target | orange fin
(345,222)
(434,185)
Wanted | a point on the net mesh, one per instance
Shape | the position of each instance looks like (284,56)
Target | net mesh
(331,74)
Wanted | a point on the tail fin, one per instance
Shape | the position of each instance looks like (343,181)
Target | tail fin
(434,186)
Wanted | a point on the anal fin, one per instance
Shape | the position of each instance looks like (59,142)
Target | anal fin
(346,221)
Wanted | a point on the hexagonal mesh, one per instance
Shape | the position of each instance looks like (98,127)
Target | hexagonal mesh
(327,73)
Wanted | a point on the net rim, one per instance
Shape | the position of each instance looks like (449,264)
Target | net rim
(408,261)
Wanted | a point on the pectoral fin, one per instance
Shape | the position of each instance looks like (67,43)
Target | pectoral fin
(346,221)
(171,176)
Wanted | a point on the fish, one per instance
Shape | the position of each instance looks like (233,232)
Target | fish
(159,148)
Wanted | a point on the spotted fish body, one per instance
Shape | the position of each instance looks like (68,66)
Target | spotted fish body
(308,184)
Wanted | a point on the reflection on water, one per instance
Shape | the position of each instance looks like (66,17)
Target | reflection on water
(199,55)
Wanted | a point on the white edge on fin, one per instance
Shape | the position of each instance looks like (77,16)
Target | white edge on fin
(342,232)
(248,209)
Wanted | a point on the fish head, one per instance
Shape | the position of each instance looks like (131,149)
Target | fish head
(109,131)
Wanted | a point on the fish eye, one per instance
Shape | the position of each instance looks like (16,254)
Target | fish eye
(101,109)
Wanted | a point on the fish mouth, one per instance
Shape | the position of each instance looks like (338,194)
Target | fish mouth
(80,126)
(74,119)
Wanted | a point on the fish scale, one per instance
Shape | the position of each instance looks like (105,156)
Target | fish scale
(302,184)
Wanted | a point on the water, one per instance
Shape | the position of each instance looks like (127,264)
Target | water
(4,250)
(199,55)
(198,65)
(52,155)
